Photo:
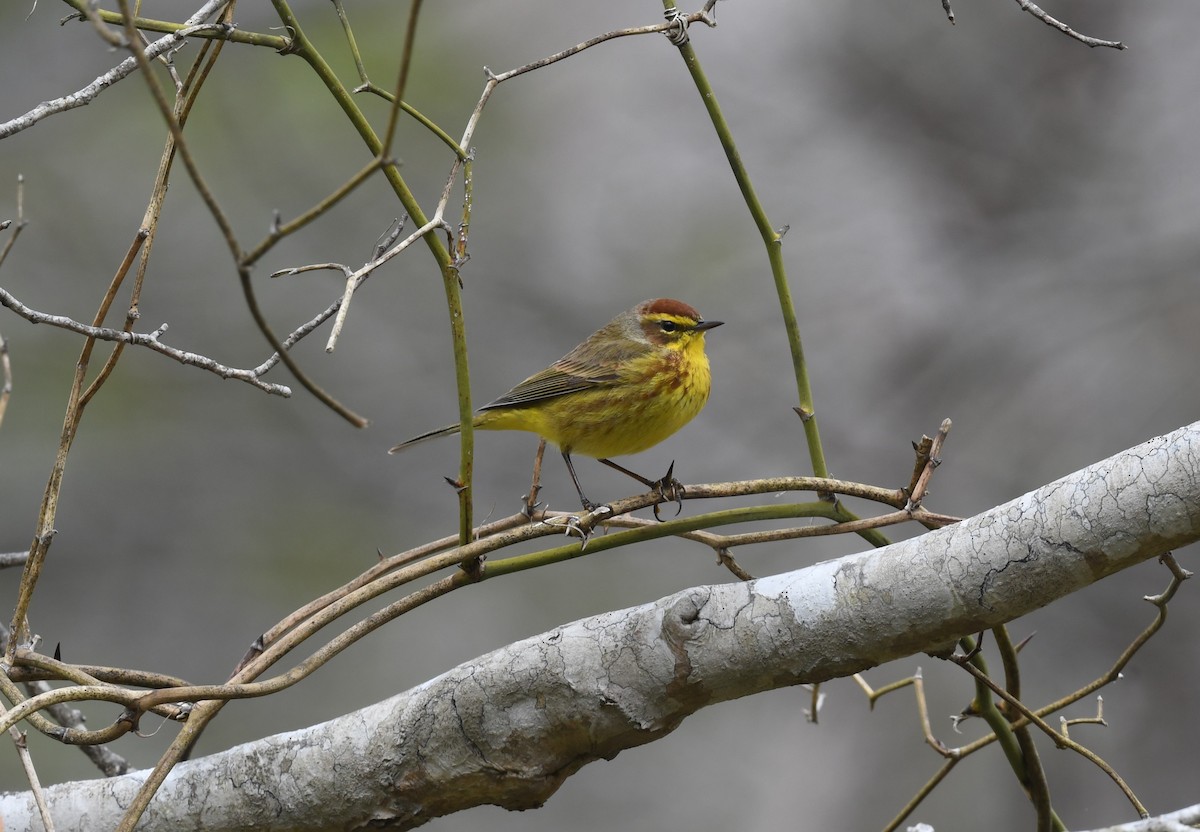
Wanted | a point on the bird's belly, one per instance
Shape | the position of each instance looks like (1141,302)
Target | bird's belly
(628,417)
(616,424)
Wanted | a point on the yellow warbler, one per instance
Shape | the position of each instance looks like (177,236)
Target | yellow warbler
(626,388)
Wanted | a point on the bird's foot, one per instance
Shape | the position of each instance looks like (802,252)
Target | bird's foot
(669,490)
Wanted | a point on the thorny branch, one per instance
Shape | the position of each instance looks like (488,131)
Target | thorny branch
(1022,715)
(408,567)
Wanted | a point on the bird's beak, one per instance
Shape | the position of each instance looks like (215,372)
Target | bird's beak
(706,325)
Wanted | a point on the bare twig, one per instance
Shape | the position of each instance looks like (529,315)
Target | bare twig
(354,279)
(10,559)
(31,775)
(1065,724)
(148,340)
(87,94)
(923,793)
(12,239)
(223,223)
(106,303)
(6,379)
(1059,740)
(385,577)
(104,758)
(6,386)
(279,230)
(406,53)
(1036,11)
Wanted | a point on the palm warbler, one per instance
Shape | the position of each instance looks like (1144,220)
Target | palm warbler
(626,388)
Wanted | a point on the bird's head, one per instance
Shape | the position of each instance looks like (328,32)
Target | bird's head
(672,323)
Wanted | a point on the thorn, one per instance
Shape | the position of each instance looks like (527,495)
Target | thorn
(528,509)
(804,414)
(457,485)
(575,525)
(473,568)
(1021,644)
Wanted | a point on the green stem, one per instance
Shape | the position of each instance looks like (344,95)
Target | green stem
(146,24)
(303,47)
(1018,750)
(985,705)
(774,242)
(569,551)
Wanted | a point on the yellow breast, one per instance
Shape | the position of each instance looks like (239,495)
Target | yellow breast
(656,396)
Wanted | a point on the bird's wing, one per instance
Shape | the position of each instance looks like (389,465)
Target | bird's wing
(600,361)
(562,377)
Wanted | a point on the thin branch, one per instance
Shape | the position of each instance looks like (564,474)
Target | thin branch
(227,232)
(933,458)
(6,387)
(12,239)
(31,775)
(149,340)
(406,53)
(385,577)
(305,49)
(187,92)
(1036,11)
(921,794)
(1059,739)
(280,230)
(104,758)
(354,279)
(106,303)
(193,26)
(222,32)
(1178,576)
(655,28)
(772,238)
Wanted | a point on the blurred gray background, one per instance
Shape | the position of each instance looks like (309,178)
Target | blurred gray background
(989,222)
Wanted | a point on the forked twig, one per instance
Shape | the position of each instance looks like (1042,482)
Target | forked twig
(150,340)
(1060,740)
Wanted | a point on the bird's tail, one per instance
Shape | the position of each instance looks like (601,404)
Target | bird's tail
(449,430)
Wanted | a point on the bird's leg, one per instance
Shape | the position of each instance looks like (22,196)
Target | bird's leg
(668,487)
(588,505)
(575,523)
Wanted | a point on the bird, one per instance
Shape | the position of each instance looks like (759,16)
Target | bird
(627,387)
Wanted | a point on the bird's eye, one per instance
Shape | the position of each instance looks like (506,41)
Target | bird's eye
(668,326)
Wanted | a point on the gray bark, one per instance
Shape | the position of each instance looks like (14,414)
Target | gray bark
(510,727)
